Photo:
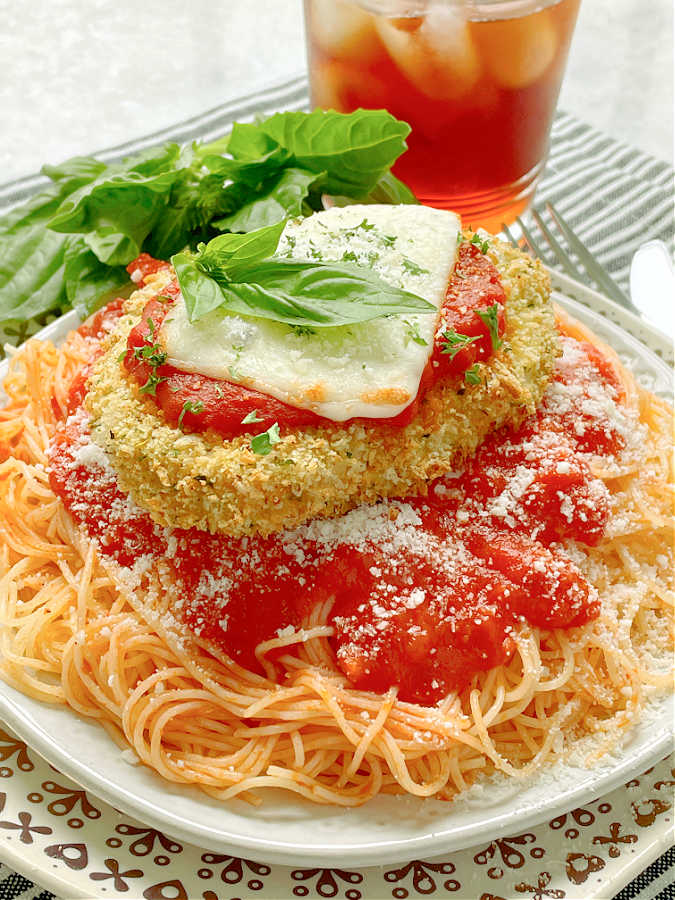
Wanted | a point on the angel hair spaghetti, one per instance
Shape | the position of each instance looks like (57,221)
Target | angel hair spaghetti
(238,663)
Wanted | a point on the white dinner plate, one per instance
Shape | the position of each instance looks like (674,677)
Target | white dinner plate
(387,829)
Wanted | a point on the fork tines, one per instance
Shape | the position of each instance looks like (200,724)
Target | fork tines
(586,269)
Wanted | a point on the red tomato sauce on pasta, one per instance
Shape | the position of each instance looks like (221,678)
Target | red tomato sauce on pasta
(201,403)
(426,592)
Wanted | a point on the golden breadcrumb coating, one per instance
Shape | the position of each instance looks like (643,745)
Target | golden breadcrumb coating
(222,486)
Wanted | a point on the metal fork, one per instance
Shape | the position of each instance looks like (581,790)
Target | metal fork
(592,270)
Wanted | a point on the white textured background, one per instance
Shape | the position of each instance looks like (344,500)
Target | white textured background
(81,75)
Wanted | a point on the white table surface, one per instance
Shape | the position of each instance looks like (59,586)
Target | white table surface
(81,75)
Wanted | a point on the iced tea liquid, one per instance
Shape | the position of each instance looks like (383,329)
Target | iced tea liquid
(477,81)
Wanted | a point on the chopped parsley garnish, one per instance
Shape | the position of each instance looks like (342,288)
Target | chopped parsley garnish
(190,406)
(455,342)
(366,225)
(150,386)
(303,330)
(291,240)
(262,443)
(388,240)
(152,354)
(217,388)
(472,376)
(413,333)
(490,317)
(350,256)
(314,251)
(251,417)
(478,241)
(411,266)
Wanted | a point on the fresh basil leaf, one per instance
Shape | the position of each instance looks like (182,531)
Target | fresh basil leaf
(323,293)
(254,156)
(37,287)
(194,200)
(348,153)
(218,261)
(173,229)
(213,148)
(252,173)
(116,212)
(225,255)
(278,200)
(389,189)
(89,282)
(31,256)
(79,168)
(354,149)
(249,141)
(156,160)
(296,293)
(200,292)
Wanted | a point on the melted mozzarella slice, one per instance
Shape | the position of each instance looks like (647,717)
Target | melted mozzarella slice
(371,369)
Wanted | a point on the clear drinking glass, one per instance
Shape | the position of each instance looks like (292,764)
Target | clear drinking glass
(477,80)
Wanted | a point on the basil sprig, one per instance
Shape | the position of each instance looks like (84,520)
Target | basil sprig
(68,245)
(237,273)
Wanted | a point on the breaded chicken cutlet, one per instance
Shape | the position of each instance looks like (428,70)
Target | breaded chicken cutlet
(324,469)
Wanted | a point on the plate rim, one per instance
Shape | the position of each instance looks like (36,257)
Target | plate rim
(278,852)
(68,883)
(392,849)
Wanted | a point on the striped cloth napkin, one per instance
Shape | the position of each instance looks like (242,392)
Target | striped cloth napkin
(615,198)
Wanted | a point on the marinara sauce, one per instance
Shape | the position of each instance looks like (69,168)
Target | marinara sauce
(424,592)
(201,403)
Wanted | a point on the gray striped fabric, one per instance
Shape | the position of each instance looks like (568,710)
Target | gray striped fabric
(655,883)
(614,196)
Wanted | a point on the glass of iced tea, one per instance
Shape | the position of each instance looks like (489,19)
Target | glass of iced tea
(477,80)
